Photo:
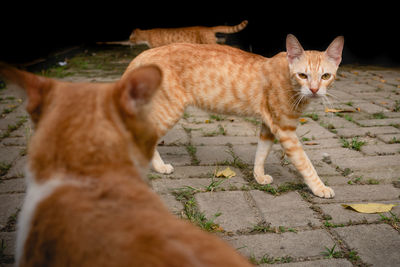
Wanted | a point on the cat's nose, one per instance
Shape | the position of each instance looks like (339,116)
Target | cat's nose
(314,90)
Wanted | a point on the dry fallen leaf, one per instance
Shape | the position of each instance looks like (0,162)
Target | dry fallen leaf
(370,207)
(227,173)
(311,143)
(333,110)
(358,109)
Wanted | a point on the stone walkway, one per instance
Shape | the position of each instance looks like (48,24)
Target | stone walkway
(355,151)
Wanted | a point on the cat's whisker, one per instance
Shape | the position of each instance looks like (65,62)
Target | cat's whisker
(333,96)
(298,102)
(295,102)
(331,114)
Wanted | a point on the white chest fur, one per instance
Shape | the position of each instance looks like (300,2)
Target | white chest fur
(35,194)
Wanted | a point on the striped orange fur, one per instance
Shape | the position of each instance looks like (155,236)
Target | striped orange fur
(223,79)
(195,35)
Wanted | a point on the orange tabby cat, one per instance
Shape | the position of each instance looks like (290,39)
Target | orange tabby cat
(194,35)
(228,80)
(86,203)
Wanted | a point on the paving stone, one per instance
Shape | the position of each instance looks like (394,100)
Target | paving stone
(8,154)
(213,154)
(205,130)
(321,144)
(18,169)
(236,212)
(361,131)
(324,169)
(389,138)
(9,204)
(301,244)
(371,108)
(288,210)
(313,131)
(340,215)
(175,136)
(15,141)
(376,244)
(195,172)
(356,193)
(240,129)
(281,174)
(174,155)
(168,185)
(371,162)
(247,153)
(317,263)
(334,153)
(9,239)
(336,121)
(334,180)
(381,175)
(224,140)
(12,186)
(379,122)
(381,150)
(174,206)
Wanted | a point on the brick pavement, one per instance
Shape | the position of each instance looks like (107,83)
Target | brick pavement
(356,152)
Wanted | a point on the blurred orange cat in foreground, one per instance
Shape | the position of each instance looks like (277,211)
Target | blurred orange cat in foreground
(86,203)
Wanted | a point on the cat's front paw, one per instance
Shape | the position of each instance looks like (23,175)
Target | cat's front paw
(263,178)
(324,192)
(165,169)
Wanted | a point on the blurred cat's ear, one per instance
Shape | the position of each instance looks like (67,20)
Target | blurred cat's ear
(138,87)
(334,50)
(36,87)
(293,48)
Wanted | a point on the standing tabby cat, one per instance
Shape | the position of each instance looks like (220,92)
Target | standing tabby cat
(86,203)
(228,80)
(194,35)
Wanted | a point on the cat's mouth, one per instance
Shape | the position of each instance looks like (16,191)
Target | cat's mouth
(314,96)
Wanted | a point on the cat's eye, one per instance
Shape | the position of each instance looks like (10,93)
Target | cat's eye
(326,76)
(302,75)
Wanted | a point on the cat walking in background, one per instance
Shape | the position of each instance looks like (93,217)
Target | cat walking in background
(227,80)
(195,35)
(86,201)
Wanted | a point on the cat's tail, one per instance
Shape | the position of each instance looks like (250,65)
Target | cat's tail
(231,29)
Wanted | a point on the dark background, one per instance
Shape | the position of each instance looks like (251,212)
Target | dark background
(371,30)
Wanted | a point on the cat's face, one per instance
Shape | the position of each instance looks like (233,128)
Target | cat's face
(313,71)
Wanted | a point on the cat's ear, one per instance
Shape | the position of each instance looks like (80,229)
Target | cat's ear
(35,86)
(334,50)
(293,48)
(138,87)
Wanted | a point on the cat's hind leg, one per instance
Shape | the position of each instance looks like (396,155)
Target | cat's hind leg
(159,165)
(264,146)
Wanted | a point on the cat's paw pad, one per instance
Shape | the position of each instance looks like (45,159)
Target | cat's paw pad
(165,169)
(263,179)
(324,192)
